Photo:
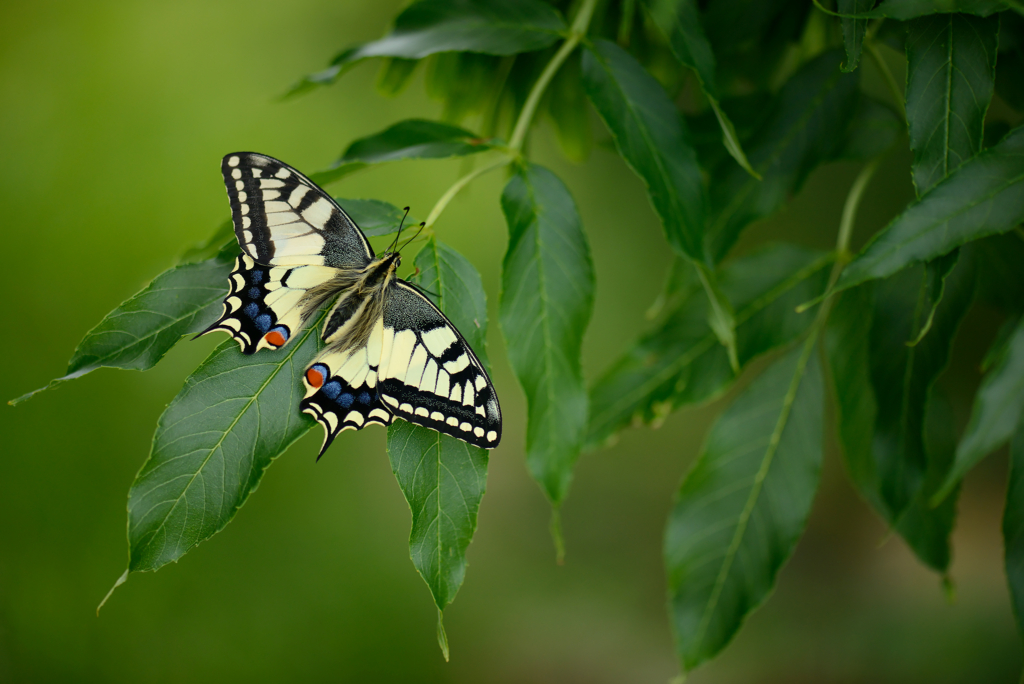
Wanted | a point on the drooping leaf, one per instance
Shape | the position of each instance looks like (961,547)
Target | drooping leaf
(136,335)
(651,136)
(679,20)
(679,363)
(493,27)
(982,197)
(546,299)
(443,479)
(882,402)
(233,417)
(1013,527)
(409,139)
(744,504)
(805,127)
(853,30)
(951,60)
(997,410)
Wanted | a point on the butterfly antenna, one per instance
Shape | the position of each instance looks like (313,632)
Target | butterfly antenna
(399,234)
(413,238)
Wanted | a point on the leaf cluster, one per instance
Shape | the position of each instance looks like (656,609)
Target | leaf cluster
(723,109)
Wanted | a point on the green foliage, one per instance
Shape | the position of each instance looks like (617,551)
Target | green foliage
(723,109)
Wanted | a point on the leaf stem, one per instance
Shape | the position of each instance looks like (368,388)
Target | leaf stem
(576,33)
(458,185)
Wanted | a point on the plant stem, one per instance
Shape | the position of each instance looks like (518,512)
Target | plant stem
(457,186)
(576,33)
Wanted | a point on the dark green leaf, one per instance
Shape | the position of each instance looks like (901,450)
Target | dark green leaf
(679,363)
(493,27)
(935,272)
(982,197)
(853,29)
(874,129)
(374,217)
(679,20)
(909,9)
(1013,527)
(546,299)
(882,384)
(744,505)
(136,335)
(951,60)
(805,127)
(443,478)
(997,410)
(233,417)
(651,136)
(410,139)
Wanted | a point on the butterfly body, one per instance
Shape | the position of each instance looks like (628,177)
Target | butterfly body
(389,351)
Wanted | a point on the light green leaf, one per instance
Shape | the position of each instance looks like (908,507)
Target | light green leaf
(951,61)
(678,363)
(853,30)
(651,136)
(136,335)
(1013,527)
(443,479)
(982,197)
(679,20)
(493,27)
(233,417)
(409,139)
(744,504)
(546,299)
(998,407)
(806,126)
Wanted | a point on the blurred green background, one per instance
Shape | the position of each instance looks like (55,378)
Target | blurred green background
(113,118)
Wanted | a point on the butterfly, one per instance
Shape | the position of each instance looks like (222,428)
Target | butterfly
(389,351)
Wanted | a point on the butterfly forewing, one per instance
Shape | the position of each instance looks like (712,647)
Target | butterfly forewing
(430,376)
(282,218)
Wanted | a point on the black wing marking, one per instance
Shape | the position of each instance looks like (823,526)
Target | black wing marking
(430,376)
(342,391)
(265,305)
(284,219)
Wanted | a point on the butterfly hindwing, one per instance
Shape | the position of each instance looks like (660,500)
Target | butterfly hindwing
(342,391)
(265,306)
(282,218)
(429,375)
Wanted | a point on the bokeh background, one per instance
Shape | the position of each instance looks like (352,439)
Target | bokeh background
(114,115)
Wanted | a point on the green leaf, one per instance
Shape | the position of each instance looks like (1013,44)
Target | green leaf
(909,9)
(997,262)
(395,74)
(982,197)
(951,60)
(882,384)
(853,30)
(233,417)
(744,504)
(873,130)
(679,21)
(651,136)
(805,127)
(1010,64)
(493,27)
(547,294)
(374,217)
(443,479)
(936,271)
(679,363)
(136,335)
(409,139)
(997,410)
(568,109)
(1013,527)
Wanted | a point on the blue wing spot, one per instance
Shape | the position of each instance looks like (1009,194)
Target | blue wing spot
(263,322)
(345,400)
(364,398)
(251,309)
(256,277)
(332,389)
(254,293)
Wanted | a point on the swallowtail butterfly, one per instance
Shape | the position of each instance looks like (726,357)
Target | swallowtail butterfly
(389,351)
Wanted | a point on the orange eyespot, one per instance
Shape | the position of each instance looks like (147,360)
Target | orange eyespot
(315,378)
(275,338)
